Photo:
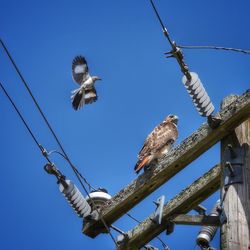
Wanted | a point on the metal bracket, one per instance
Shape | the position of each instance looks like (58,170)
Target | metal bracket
(223,217)
(159,210)
(214,121)
(222,214)
(233,165)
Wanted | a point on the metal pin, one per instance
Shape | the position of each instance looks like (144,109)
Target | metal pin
(230,168)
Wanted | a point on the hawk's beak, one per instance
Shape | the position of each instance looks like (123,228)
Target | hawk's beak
(99,78)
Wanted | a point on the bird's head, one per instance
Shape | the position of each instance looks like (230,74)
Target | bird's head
(95,78)
(172,118)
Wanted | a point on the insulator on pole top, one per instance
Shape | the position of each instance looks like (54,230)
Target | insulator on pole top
(198,94)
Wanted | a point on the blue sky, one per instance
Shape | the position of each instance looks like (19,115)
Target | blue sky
(123,44)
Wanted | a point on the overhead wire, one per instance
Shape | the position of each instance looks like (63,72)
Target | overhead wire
(77,173)
(41,112)
(23,120)
(193,46)
(91,188)
(162,25)
(213,47)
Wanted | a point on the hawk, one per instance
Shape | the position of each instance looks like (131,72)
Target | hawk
(86,94)
(158,142)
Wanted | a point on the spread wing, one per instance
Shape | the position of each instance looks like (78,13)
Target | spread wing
(80,71)
(164,133)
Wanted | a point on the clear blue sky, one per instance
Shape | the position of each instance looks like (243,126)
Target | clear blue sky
(123,44)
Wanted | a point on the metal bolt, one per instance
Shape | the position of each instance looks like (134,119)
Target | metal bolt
(232,152)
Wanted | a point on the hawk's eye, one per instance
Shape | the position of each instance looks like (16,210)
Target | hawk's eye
(171,116)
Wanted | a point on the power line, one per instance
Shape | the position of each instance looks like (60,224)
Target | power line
(44,152)
(162,25)
(213,47)
(176,51)
(24,122)
(91,188)
(77,173)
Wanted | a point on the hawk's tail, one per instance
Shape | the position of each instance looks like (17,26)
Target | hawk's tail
(142,163)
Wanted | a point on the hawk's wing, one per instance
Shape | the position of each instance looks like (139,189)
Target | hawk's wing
(163,134)
(80,71)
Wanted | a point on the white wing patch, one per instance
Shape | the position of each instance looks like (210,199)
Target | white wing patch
(80,69)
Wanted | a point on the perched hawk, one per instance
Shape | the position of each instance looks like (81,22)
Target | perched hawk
(86,94)
(158,142)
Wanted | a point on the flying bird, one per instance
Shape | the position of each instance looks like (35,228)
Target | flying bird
(86,93)
(158,142)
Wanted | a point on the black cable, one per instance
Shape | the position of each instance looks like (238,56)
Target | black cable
(77,173)
(213,47)
(41,112)
(91,188)
(157,237)
(46,155)
(176,52)
(24,122)
(162,25)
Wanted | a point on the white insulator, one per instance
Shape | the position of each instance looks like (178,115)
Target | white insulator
(198,94)
(75,199)
(207,233)
(99,198)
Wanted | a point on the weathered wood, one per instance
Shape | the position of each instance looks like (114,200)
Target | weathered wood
(195,220)
(182,203)
(190,149)
(235,234)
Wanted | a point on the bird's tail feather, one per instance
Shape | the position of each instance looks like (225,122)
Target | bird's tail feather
(73,92)
(140,164)
(78,98)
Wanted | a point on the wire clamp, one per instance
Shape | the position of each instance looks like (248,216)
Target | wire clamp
(43,150)
(50,168)
(222,214)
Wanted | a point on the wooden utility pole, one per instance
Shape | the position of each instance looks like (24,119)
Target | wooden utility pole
(235,186)
(168,166)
